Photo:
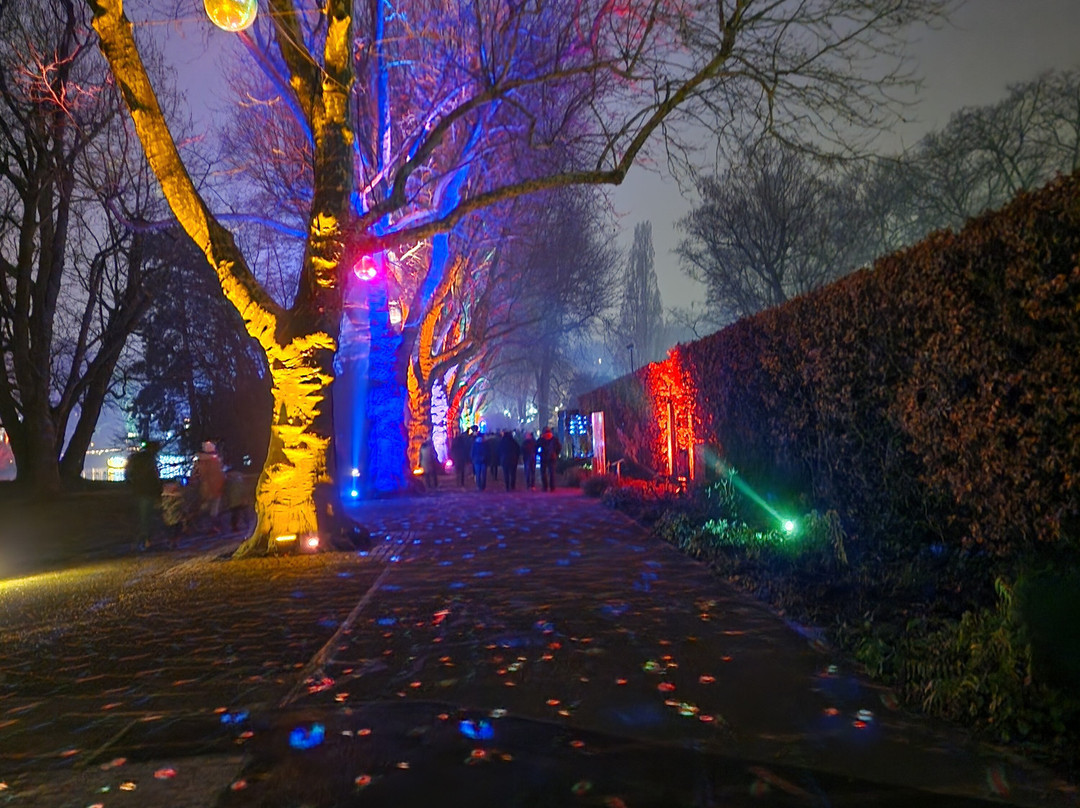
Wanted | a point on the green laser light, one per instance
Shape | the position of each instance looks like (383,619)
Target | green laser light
(789,526)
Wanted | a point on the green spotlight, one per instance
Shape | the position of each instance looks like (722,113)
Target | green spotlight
(789,527)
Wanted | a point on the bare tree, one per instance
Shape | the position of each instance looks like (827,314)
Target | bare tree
(979,160)
(499,100)
(72,272)
(571,267)
(776,224)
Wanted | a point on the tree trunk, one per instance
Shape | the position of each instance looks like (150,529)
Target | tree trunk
(386,401)
(419,422)
(300,454)
(71,466)
(543,392)
(37,465)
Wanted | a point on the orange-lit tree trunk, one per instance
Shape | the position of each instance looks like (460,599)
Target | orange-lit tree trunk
(430,359)
(300,342)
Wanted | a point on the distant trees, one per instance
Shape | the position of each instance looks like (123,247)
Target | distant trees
(777,223)
(71,270)
(198,375)
(640,320)
(982,158)
(568,281)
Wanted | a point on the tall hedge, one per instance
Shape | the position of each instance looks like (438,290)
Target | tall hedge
(934,396)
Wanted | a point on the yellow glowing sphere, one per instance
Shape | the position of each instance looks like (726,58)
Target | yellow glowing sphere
(231,15)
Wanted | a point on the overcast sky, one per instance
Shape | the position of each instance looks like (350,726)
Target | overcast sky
(990,45)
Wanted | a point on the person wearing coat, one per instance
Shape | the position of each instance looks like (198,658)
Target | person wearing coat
(492,447)
(528,460)
(549,449)
(509,455)
(144,480)
(479,461)
(460,449)
(208,478)
(429,462)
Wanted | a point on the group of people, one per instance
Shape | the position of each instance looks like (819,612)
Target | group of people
(486,454)
(212,499)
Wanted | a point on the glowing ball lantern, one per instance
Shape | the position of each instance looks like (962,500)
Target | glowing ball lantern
(365,269)
(231,15)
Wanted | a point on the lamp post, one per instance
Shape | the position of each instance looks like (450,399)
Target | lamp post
(630,348)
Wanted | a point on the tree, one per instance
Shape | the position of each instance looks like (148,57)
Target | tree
(986,155)
(72,272)
(199,376)
(777,224)
(495,100)
(569,269)
(641,313)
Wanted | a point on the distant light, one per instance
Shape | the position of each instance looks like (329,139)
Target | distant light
(231,15)
(116,462)
(789,526)
(354,493)
(449,464)
(365,268)
(311,542)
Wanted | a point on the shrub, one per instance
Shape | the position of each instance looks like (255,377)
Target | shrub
(596,484)
(573,476)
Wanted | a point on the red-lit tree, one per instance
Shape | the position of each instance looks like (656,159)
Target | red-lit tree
(422,115)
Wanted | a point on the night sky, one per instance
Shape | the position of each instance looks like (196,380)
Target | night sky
(990,45)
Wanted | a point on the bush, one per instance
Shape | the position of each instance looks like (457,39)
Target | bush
(642,500)
(595,485)
(573,476)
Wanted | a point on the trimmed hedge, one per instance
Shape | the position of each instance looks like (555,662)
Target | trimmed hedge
(934,397)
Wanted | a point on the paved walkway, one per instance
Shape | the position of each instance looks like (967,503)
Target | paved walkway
(491,641)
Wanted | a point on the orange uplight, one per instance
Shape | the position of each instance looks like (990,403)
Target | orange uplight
(417,471)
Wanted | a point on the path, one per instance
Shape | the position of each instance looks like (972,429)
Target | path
(591,653)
